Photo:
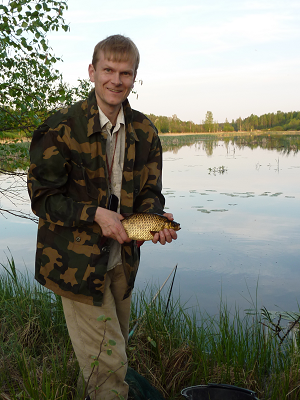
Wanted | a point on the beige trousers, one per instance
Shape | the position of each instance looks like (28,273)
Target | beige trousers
(87,334)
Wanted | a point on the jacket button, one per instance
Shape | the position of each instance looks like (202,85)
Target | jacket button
(78,239)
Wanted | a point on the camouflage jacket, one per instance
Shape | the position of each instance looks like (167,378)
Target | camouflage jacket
(67,181)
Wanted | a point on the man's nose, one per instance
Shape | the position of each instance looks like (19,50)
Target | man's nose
(116,79)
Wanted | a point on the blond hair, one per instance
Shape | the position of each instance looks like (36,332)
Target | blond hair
(117,48)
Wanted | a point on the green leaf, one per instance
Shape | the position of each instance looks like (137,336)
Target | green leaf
(95,363)
(152,342)
(24,24)
(109,352)
(19,32)
(13,5)
(101,318)
(112,342)
(38,7)
(4,8)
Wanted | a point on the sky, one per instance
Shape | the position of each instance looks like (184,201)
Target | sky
(231,57)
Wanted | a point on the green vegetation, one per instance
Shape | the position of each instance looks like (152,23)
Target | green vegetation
(30,86)
(173,124)
(217,170)
(28,82)
(274,122)
(173,349)
(268,122)
(14,155)
(36,360)
(209,122)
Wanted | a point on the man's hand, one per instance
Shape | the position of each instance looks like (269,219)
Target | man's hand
(110,223)
(167,235)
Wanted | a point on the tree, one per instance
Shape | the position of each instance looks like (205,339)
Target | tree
(30,86)
(239,123)
(227,127)
(209,122)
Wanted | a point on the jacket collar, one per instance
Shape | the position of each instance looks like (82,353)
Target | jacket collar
(92,114)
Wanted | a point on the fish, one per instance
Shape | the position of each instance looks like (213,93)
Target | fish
(142,226)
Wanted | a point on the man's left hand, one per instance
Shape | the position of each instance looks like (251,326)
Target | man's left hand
(167,235)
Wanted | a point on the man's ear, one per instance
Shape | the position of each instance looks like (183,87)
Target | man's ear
(132,86)
(91,70)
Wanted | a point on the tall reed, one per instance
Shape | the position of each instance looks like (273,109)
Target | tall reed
(172,349)
(36,357)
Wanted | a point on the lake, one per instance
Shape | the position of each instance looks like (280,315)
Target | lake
(237,200)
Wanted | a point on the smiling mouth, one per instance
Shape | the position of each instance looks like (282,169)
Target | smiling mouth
(115,91)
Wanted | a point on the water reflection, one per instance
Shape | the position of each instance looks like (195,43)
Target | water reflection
(240,223)
(240,226)
(282,143)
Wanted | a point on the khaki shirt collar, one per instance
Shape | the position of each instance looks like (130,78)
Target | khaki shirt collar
(105,122)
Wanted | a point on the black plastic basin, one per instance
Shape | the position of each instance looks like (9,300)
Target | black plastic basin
(214,391)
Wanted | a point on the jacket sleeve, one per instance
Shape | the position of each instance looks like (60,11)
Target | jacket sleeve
(150,197)
(49,179)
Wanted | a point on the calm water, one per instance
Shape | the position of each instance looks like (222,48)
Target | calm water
(238,207)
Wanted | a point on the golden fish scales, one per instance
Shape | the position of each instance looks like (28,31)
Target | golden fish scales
(140,225)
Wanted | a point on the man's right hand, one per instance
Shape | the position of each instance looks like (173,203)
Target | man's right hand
(110,223)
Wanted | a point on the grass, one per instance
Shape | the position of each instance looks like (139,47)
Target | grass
(14,134)
(14,155)
(36,357)
(172,350)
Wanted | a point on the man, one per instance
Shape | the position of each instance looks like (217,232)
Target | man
(81,157)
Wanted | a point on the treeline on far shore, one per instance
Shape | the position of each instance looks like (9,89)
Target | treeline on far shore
(274,122)
(280,121)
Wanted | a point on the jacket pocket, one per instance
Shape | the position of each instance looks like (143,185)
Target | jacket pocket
(80,185)
(66,255)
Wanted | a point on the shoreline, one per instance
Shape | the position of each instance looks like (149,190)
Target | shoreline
(239,133)
(16,140)
(221,134)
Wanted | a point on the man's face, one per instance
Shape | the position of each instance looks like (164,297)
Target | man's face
(113,82)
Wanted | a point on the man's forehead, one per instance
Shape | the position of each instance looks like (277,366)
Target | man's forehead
(111,57)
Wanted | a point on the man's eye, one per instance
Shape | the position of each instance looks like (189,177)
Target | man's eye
(107,70)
